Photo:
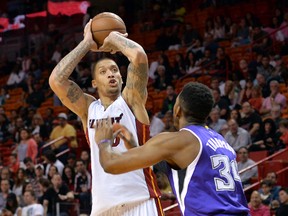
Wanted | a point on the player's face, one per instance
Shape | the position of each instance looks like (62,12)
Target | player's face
(108,79)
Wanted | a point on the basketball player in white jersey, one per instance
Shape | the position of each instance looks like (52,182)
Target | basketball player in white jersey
(134,193)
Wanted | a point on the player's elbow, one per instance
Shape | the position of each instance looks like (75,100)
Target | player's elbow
(140,56)
(110,168)
(52,80)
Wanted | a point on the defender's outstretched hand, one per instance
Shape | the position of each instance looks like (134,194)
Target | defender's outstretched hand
(123,133)
(105,132)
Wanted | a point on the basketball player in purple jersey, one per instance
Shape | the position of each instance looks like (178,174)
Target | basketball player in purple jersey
(211,184)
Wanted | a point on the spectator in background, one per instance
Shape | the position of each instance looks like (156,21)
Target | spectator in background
(272,176)
(85,157)
(265,68)
(256,207)
(178,68)
(236,115)
(231,94)
(68,131)
(283,196)
(27,147)
(283,128)
(163,79)
(206,60)
(4,95)
(13,164)
(237,137)
(246,92)
(244,162)
(161,60)
(59,192)
(169,101)
(52,171)
(190,35)
(4,128)
(265,193)
(38,126)
(221,104)
(5,174)
(82,188)
(280,72)
(214,120)
(48,119)
(168,121)
(17,78)
(36,94)
(20,181)
(164,186)
(276,114)
(261,81)
(32,207)
(251,121)
(270,137)
(275,98)
(51,159)
(242,36)
(261,41)
(68,176)
(71,160)
(190,65)
(29,168)
(223,62)
(156,124)
(12,204)
(256,99)
(5,190)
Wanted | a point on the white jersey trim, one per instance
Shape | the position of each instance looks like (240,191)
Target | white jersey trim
(189,172)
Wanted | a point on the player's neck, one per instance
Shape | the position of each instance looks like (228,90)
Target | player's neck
(107,101)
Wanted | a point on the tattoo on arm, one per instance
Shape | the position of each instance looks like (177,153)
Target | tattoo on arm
(74,92)
(124,43)
(137,78)
(66,66)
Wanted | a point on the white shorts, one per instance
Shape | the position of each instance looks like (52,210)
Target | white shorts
(145,208)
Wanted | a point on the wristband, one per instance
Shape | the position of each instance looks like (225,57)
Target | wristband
(104,141)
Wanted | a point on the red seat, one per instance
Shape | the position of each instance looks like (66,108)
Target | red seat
(258,155)
(282,156)
(272,166)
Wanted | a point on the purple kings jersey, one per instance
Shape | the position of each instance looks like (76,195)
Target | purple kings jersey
(210,185)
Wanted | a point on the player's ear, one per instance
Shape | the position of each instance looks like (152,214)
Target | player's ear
(94,83)
(178,112)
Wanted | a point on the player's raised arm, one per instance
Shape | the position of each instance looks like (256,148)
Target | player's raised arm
(68,91)
(135,92)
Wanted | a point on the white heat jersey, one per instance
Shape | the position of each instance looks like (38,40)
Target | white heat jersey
(110,190)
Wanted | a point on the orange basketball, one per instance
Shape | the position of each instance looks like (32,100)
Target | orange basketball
(103,23)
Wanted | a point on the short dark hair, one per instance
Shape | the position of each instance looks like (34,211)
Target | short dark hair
(27,159)
(32,193)
(196,101)
(97,62)
(266,182)
(284,189)
(50,155)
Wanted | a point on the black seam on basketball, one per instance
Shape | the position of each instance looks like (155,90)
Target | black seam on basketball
(115,29)
(109,17)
